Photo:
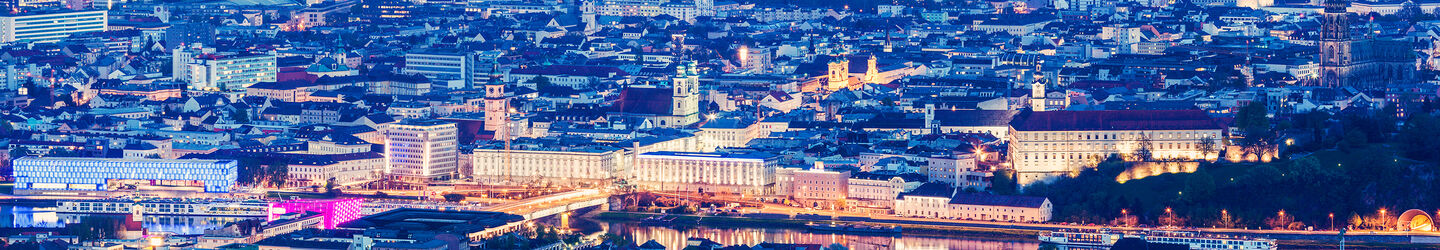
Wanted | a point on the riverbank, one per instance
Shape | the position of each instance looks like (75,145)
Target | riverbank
(934,229)
(908,229)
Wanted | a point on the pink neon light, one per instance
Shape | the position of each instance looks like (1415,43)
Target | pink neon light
(334,211)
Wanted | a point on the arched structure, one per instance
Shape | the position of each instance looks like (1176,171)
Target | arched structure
(1415,220)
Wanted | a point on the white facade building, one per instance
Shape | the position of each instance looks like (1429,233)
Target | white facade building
(593,165)
(735,173)
(50,26)
(420,151)
(1047,145)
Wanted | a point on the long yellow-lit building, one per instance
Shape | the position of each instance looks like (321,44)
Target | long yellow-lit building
(1051,144)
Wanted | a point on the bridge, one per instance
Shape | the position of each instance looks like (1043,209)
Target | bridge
(552,204)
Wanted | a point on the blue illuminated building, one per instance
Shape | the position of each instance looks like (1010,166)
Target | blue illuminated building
(94,174)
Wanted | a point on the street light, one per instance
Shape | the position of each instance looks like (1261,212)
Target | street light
(1332,221)
(1383,219)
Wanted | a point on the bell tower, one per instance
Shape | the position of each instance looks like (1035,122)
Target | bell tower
(839,71)
(1335,44)
(686,93)
(497,106)
(1037,96)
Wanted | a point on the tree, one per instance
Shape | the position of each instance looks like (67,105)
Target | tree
(1225,221)
(454,197)
(277,173)
(1356,221)
(1206,146)
(1417,137)
(6,129)
(1409,11)
(18,152)
(1143,148)
(1281,220)
(1354,140)
(240,115)
(1004,182)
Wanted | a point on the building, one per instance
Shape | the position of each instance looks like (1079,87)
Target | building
(95,176)
(453,67)
(729,133)
(224,72)
(683,10)
(333,212)
(960,170)
(49,26)
(877,190)
(497,108)
(342,169)
(572,76)
(817,187)
(1048,145)
(1346,61)
(735,173)
(582,164)
(420,151)
(673,107)
(935,200)
(377,11)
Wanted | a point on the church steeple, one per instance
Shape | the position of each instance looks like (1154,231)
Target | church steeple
(1335,43)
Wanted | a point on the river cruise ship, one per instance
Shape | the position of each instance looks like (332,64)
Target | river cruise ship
(1195,240)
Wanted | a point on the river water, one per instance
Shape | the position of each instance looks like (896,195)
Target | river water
(673,238)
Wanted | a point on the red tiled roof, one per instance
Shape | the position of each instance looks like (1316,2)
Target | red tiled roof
(1114,120)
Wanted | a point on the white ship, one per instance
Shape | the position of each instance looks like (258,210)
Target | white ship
(1195,240)
(189,207)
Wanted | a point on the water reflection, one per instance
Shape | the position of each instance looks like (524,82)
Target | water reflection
(21,216)
(675,238)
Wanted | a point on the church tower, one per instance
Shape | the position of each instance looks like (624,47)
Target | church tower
(497,107)
(1335,44)
(839,73)
(872,70)
(1037,96)
(686,93)
(587,16)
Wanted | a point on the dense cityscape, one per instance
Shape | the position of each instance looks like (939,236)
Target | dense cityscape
(733,124)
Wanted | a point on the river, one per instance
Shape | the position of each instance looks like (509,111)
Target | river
(24,216)
(675,238)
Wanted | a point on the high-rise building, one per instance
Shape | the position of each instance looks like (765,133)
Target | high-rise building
(451,69)
(420,151)
(205,68)
(49,26)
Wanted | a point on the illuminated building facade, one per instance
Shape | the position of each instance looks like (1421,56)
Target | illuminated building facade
(593,164)
(736,173)
(1051,144)
(49,26)
(334,211)
(69,175)
(420,151)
